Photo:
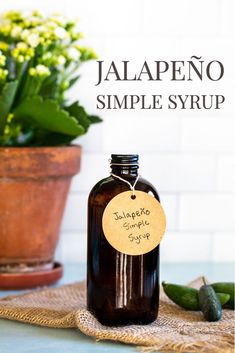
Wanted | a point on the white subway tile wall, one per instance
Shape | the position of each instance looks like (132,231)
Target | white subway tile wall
(189,155)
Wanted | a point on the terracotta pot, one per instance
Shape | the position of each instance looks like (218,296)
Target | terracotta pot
(34,184)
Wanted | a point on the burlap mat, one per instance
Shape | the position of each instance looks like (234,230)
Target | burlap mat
(175,330)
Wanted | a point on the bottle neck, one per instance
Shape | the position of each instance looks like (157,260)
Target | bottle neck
(128,171)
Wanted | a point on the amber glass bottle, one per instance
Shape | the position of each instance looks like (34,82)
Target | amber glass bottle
(121,289)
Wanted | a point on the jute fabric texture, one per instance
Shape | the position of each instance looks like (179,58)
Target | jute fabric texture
(175,330)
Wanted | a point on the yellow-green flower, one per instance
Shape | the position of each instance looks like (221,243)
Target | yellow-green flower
(22,47)
(3,74)
(5,29)
(73,54)
(33,40)
(2,59)
(13,15)
(4,46)
(35,21)
(60,33)
(25,33)
(31,37)
(60,60)
(86,53)
(6,130)
(16,31)
(10,117)
(64,85)
(37,13)
(75,35)
(58,19)
(40,71)
(22,52)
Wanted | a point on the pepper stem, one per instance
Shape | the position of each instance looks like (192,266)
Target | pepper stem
(204,280)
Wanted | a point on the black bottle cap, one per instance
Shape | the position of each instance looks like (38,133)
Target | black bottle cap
(124,159)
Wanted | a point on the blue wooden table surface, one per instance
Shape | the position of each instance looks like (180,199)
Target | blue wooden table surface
(18,337)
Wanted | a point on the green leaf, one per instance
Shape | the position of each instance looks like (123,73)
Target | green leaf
(73,80)
(80,114)
(94,119)
(42,138)
(6,101)
(47,115)
(49,86)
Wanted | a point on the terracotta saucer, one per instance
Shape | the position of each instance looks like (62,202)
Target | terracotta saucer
(31,279)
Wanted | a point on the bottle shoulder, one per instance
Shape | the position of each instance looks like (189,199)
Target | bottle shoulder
(111,186)
(147,187)
(100,185)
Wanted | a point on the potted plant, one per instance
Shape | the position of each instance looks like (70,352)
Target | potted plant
(39,58)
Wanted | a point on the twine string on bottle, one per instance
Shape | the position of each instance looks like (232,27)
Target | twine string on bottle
(132,187)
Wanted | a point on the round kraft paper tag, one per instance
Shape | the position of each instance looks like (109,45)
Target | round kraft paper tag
(134,225)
